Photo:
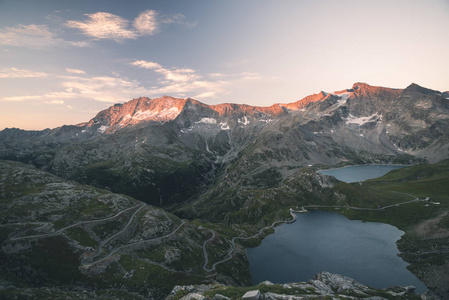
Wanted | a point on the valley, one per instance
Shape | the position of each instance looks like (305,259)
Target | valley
(154,193)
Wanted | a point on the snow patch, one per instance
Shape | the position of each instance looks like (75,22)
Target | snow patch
(103,128)
(343,99)
(244,121)
(165,114)
(362,120)
(83,131)
(266,121)
(224,126)
(207,121)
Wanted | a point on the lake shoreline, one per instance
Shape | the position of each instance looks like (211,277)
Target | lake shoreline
(330,252)
(296,241)
(360,165)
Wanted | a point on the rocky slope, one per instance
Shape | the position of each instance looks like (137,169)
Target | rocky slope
(164,151)
(235,165)
(323,286)
(61,239)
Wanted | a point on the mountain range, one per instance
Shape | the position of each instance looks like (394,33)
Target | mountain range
(166,150)
(232,165)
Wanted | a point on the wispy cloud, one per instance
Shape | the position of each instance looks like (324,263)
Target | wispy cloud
(34,36)
(177,82)
(55,102)
(74,87)
(46,97)
(103,25)
(182,81)
(146,23)
(20,73)
(176,74)
(75,71)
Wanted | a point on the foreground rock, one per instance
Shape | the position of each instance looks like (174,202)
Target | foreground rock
(324,285)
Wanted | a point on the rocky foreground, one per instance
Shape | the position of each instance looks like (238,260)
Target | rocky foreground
(324,285)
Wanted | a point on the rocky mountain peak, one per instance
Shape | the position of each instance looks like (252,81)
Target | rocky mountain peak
(300,104)
(360,85)
(415,88)
(364,90)
(138,110)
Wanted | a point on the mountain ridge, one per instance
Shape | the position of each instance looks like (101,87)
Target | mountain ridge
(164,104)
(144,138)
(167,108)
(239,165)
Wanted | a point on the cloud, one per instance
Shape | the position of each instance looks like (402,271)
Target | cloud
(177,82)
(20,73)
(78,86)
(182,81)
(102,88)
(146,64)
(75,71)
(49,97)
(217,75)
(177,19)
(55,102)
(103,25)
(34,36)
(178,75)
(146,23)
(206,95)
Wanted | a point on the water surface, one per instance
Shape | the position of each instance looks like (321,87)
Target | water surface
(360,173)
(326,241)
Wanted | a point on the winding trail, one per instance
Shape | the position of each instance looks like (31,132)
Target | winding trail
(84,262)
(206,258)
(115,250)
(104,242)
(75,224)
(416,199)
(303,209)
(230,252)
(229,255)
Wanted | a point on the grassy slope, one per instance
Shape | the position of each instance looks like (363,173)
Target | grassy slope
(257,208)
(53,262)
(421,181)
(425,244)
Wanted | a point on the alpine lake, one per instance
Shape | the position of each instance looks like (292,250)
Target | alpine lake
(327,241)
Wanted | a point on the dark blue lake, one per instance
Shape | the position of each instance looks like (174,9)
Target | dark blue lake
(326,241)
(360,173)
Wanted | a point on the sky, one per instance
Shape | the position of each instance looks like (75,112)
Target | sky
(63,61)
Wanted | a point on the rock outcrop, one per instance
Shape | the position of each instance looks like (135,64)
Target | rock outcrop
(324,285)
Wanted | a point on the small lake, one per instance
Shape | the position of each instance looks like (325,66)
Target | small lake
(327,241)
(360,173)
